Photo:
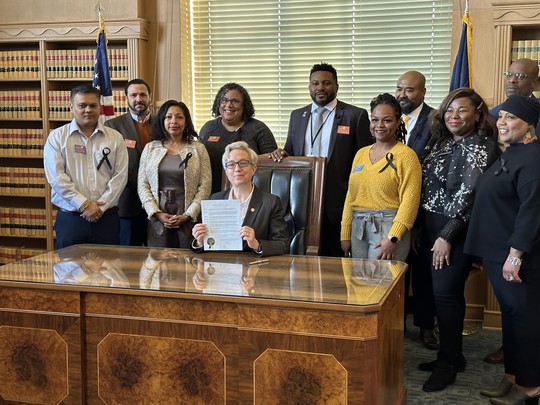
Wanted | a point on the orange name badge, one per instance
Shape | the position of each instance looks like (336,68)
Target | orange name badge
(130,143)
(343,129)
(214,138)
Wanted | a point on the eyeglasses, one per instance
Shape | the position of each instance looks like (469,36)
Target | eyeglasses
(519,76)
(241,163)
(233,101)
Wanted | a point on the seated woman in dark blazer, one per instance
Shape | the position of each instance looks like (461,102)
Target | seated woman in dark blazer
(263,231)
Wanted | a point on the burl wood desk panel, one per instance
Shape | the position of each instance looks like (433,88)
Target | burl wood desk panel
(138,326)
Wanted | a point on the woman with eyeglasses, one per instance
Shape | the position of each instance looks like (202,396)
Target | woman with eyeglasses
(263,231)
(462,146)
(174,176)
(233,112)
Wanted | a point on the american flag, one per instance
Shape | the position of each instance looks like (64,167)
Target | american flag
(102,78)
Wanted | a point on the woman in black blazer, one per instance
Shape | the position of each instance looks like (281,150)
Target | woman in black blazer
(505,232)
(263,231)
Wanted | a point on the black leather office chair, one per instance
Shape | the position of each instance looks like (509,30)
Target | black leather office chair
(298,181)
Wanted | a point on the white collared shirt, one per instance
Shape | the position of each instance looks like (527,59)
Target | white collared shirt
(244,205)
(70,160)
(326,130)
(413,118)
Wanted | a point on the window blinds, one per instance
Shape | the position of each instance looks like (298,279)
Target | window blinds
(270,46)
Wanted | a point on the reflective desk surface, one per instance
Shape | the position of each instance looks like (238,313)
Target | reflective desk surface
(212,328)
(302,279)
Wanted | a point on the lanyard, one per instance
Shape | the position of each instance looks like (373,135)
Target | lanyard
(313,139)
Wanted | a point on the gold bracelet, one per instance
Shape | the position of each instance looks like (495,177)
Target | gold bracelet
(84,206)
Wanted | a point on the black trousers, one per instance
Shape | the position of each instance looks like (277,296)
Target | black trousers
(422,288)
(448,288)
(520,311)
(72,229)
(133,231)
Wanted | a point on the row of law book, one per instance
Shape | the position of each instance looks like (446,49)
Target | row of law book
(21,64)
(30,222)
(25,181)
(529,49)
(10,254)
(20,104)
(79,63)
(21,142)
(59,104)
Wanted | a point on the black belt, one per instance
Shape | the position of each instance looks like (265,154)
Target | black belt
(111,210)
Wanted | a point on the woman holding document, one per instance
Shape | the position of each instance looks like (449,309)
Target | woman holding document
(263,229)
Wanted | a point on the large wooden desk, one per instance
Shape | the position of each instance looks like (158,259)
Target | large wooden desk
(94,324)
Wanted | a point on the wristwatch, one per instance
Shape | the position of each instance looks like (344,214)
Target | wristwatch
(393,239)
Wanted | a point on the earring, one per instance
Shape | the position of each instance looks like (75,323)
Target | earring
(528,136)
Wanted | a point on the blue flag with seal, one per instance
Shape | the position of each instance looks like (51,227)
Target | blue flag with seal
(462,72)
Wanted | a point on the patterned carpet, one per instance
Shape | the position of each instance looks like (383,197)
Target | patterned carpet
(466,389)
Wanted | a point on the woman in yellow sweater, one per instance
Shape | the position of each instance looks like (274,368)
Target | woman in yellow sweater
(384,189)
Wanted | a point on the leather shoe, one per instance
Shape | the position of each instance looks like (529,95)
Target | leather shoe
(501,390)
(443,375)
(516,396)
(496,357)
(429,339)
(459,365)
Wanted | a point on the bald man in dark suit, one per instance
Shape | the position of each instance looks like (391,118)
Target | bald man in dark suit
(340,132)
(410,93)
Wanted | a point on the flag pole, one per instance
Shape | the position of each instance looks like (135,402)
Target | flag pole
(99,8)
(462,71)
(102,78)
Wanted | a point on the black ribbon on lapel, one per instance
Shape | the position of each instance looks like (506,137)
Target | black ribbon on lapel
(185,161)
(389,158)
(105,159)
(502,168)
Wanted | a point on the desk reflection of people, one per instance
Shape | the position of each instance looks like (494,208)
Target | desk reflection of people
(164,269)
(211,277)
(367,281)
(263,230)
(90,269)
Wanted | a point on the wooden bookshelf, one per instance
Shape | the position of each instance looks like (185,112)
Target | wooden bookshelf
(515,23)
(39,64)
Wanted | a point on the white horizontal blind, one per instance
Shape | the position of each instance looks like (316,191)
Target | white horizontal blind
(270,46)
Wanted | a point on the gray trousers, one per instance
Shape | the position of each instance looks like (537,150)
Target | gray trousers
(368,228)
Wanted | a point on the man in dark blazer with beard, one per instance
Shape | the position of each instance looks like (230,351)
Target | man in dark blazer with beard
(333,129)
(135,128)
(410,93)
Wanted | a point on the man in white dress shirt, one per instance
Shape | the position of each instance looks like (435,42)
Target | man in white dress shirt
(86,166)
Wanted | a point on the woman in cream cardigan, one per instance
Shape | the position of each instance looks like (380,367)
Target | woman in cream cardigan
(174,176)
